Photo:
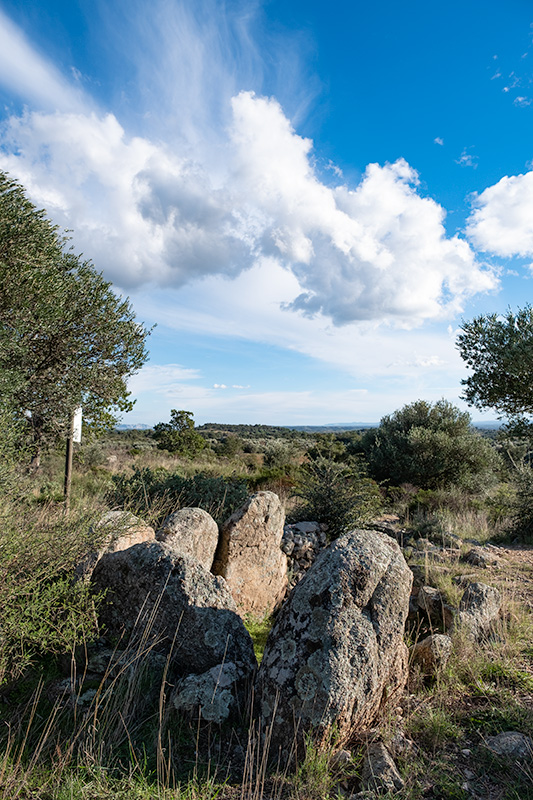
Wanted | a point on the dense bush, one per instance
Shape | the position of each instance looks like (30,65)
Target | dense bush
(179,436)
(430,446)
(337,492)
(43,610)
(167,491)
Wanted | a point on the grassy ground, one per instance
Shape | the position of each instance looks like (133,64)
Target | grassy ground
(88,744)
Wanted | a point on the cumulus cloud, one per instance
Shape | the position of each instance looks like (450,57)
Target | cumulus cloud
(502,220)
(366,350)
(148,212)
(139,211)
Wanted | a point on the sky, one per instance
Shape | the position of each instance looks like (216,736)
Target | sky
(306,199)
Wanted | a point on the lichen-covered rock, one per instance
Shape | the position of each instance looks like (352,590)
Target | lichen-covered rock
(213,696)
(431,602)
(156,592)
(336,651)
(432,653)
(380,774)
(479,610)
(302,542)
(193,532)
(511,744)
(249,556)
(117,530)
(481,557)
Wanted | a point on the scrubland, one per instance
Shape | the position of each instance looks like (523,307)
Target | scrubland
(97,747)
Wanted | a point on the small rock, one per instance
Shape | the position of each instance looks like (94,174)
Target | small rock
(432,603)
(424,545)
(214,695)
(511,744)
(287,545)
(341,759)
(481,557)
(478,610)
(379,771)
(432,653)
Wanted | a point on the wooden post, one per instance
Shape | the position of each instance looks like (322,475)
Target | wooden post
(68,466)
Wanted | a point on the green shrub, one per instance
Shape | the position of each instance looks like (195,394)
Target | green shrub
(43,610)
(179,436)
(338,494)
(522,507)
(169,491)
(430,446)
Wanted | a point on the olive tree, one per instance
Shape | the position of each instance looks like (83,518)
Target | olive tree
(429,446)
(178,436)
(499,351)
(66,339)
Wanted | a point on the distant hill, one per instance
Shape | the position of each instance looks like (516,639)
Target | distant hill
(334,427)
(278,430)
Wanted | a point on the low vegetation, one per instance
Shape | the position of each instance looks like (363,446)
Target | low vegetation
(88,743)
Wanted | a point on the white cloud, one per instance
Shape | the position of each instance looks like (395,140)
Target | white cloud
(467,159)
(219,386)
(438,140)
(147,212)
(420,362)
(139,211)
(502,220)
(164,379)
(27,73)
(250,307)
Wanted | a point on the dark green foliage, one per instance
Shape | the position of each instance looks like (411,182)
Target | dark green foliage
(178,436)
(43,610)
(169,491)
(251,431)
(229,446)
(499,351)
(336,490)
(430,446)
(65,338)
(522,506)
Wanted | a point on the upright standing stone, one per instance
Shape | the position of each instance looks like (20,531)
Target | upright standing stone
(193,532)
(336,651)
(249,555)
(117,530)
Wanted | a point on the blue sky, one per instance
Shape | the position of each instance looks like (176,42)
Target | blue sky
(306,197)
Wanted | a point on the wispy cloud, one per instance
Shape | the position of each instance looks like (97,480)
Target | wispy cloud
(237,185)
(467,159)
(166,379)
(27,73)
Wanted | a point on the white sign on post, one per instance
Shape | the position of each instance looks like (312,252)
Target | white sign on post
(76,425)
